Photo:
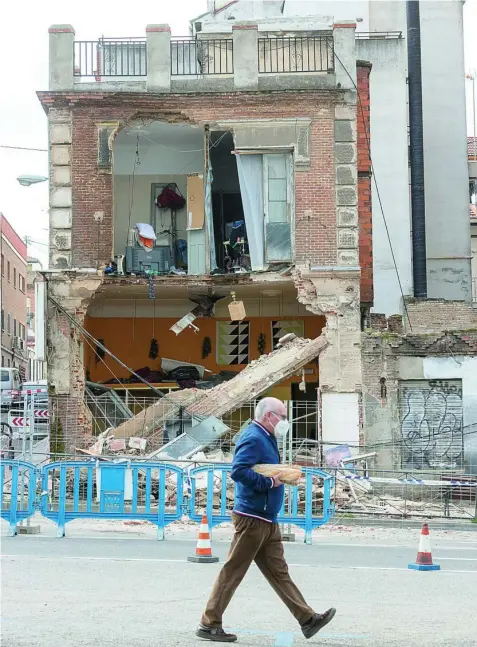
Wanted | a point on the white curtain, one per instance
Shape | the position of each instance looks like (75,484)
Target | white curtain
(250,172)
(209,218)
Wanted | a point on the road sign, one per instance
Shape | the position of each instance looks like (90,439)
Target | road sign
(16,419)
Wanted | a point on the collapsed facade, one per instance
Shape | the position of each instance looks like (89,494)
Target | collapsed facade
(256,135)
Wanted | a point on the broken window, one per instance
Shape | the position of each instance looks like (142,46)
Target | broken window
(252,195)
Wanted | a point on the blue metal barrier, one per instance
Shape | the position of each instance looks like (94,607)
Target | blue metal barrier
(138,490)
(315,512)
(18,480)
(217,475)
(124,490)
(300,508)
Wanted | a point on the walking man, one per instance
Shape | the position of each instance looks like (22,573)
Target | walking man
(257,534)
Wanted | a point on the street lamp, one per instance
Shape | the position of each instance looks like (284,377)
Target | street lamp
(28,180)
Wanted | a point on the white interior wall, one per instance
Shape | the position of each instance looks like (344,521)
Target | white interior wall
(167,153)
(141,206)
(340,419)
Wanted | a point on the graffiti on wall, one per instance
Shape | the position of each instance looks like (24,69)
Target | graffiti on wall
(431,424)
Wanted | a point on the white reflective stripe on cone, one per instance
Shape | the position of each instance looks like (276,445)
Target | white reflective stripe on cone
(203,543)
(424,544)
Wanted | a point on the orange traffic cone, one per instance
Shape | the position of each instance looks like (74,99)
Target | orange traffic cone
(203,551)
(424,555)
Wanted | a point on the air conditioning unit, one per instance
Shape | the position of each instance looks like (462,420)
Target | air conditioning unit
(139,260)
(18,343)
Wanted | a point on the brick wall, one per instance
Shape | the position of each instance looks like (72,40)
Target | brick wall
(435,315)
(364,184)
(315,209)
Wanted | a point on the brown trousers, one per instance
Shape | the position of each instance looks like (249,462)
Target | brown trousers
(260,541)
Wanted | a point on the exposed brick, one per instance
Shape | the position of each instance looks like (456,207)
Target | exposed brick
(364,185)
(435,315)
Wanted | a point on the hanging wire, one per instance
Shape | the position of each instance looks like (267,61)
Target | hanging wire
(137,162)
(378,193)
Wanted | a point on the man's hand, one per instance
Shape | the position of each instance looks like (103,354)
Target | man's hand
(277,481)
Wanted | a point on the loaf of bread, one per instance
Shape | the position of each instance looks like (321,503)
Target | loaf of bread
(289,474)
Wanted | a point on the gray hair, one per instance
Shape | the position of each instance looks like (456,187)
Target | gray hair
(266,405)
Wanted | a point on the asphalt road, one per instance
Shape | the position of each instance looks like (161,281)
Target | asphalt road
(139,592)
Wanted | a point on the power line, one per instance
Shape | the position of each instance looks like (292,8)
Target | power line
(378,193)
(24,148)
(102,347)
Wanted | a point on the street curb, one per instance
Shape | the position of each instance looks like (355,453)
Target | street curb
(437,524)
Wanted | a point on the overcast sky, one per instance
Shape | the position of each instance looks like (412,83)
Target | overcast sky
(24,58)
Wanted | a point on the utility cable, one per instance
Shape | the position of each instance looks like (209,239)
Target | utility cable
(83,330)
(24,148)
(378,193)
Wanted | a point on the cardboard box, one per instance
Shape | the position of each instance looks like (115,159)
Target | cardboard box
(195,202)
(237,311)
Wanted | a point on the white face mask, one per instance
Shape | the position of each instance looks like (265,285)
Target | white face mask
(281,429)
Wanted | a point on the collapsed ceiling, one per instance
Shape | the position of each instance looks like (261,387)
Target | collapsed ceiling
(259,376)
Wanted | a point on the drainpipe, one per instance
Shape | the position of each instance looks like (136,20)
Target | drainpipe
(418,207)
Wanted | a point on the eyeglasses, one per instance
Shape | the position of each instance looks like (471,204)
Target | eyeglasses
(279,416)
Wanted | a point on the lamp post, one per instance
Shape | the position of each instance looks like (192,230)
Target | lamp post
(28,180)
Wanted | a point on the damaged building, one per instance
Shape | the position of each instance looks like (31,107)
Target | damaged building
(208,198)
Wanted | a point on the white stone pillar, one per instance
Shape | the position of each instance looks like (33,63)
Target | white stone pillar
(158,58)
(245,38)
(61,57)
(345,50)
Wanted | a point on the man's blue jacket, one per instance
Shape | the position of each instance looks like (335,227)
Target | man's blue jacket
(255,494)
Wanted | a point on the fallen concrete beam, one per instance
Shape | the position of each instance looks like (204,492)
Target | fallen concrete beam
(257,377)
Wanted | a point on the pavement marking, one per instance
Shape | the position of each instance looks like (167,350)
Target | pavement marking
(284,639)
(393,568)
(184,561)
(458,559)
(287,638)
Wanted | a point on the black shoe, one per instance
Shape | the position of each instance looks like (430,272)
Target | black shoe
(215,634)
(317,622)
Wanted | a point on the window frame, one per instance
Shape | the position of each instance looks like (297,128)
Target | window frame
(290,199)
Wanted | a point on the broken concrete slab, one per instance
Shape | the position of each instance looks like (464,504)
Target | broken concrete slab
(257,377)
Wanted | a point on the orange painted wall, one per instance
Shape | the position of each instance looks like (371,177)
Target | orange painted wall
(129,339)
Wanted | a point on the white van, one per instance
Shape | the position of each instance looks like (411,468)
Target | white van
(40,389)
(10,384)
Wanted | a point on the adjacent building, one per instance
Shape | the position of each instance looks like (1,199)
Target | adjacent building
(472,153)
(13,298)
(381,39)
(36,367)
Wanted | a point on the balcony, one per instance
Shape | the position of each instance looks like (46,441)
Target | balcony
(243,59)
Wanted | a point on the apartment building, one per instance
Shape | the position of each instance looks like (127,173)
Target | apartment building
(186,173)
(13,297)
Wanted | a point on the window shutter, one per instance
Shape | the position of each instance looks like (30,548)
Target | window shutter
(278,207)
